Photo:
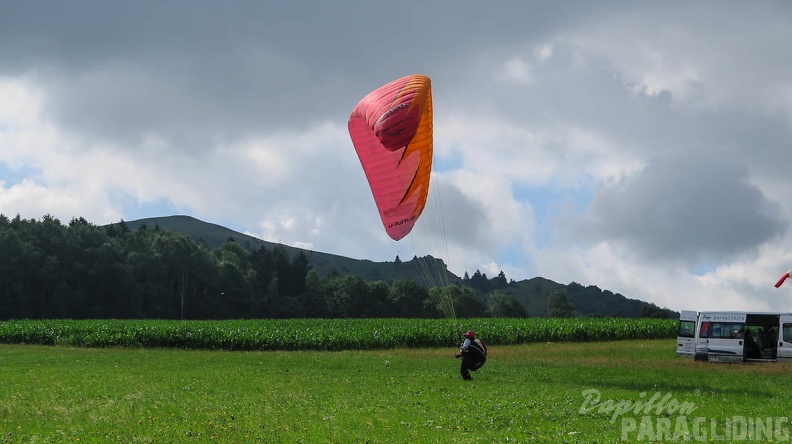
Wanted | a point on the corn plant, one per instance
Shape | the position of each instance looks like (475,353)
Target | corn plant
(324,334)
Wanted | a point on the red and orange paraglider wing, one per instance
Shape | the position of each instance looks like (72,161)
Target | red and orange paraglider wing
(391,129)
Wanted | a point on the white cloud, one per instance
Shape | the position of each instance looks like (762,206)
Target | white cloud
(517,70)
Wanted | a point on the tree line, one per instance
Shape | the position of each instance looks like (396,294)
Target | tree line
(80,270)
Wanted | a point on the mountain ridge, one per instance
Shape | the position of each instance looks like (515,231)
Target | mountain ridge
(533,293)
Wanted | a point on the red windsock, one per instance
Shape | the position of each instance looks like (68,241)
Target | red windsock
(783,278)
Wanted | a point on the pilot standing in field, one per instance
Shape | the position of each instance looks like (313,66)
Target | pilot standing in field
(473,353)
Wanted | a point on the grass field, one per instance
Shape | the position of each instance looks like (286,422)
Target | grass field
(543,392)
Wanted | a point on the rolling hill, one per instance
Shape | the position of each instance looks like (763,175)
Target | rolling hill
(532,293)
(323,263)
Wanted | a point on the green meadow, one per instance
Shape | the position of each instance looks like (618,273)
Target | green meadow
(540,392)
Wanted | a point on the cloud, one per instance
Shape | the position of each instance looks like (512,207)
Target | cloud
(690,208)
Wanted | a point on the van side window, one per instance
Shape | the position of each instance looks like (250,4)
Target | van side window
(787,331)
(731,330)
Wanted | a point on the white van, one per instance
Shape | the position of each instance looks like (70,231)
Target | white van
(731,336)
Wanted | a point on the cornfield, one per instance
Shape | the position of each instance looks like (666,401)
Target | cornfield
(325,334)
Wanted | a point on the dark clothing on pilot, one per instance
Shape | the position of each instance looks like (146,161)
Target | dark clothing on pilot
(474,355)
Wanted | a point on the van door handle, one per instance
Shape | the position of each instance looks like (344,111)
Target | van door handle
(740,342)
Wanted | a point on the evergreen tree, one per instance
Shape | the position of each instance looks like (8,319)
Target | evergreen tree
(479,281)
(499,281)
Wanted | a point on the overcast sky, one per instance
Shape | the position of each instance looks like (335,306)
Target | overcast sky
(640,147)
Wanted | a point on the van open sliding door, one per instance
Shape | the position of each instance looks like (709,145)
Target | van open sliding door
(761,337)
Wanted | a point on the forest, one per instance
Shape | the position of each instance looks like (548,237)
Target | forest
(79,270)
(51,270)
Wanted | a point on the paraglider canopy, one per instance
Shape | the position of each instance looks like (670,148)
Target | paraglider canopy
(391,129)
